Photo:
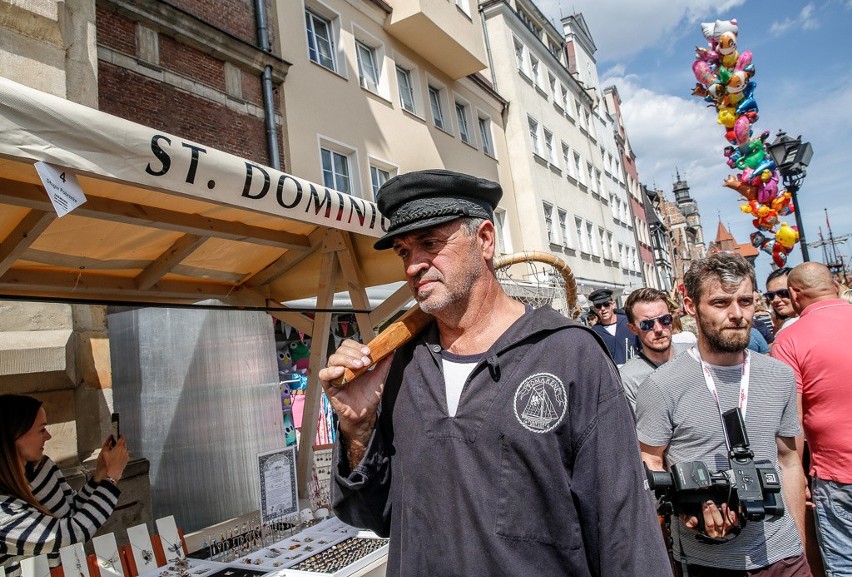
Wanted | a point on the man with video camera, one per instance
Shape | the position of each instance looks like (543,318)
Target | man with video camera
(680,420)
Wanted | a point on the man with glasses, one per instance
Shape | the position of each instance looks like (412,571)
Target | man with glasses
(649,318)
(778,297)
(679,420)
(612,327)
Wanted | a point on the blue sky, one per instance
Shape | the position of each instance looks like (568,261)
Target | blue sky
(804,86)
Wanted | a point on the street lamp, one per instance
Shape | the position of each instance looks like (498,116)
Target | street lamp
(792,157)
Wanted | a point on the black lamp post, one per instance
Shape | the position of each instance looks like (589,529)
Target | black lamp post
(792,157)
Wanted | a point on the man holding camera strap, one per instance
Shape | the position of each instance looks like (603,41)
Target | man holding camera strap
(679,420)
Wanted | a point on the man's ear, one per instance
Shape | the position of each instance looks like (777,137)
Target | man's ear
(633,329)
(689,305)
(486,234)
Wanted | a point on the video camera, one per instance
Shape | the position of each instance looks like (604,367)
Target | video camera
(750,488)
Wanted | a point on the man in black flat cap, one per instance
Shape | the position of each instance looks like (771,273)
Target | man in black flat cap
(498,441)
(612,327)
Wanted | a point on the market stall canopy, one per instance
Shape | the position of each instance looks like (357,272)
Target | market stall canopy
(167,220)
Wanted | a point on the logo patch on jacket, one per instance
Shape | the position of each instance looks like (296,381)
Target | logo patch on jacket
(540,402)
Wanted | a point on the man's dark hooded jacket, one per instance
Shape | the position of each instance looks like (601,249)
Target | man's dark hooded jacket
(538,473)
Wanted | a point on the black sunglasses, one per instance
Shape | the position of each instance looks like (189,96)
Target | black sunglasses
(648,324)
(780,293)
(602,305)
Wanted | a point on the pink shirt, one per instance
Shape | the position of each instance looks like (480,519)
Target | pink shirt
(819,349)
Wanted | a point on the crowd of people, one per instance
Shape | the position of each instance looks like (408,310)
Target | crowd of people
(513,441)
(507,440)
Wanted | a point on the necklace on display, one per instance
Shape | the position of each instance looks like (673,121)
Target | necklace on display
(175,548)
(147,555)
(110,563)
(80,562)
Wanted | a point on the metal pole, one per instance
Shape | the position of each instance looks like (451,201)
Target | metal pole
(794,189)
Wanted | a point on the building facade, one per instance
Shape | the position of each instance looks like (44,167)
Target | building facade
(683,222)
(565,170)
(377,90)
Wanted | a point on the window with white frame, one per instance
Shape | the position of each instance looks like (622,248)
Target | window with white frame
(612,248)
(464,6)
(378,176)
(520,60)
(534,70)
(336,171)
(564,231)
(604,243)
(563,99)
(437,105)
(582,238)
(368,69)
(599,178)
(567,159)
(534,141)
(501,231)
(578,163)
(580,117)
(462,114)
(550,151)
(321,45)
(593,241)
(485,135)
(404,82)
(554,90)
(593,184)
(548,221)
(622,256)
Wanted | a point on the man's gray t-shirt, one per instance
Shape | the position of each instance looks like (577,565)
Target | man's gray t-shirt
(674,408)
(636,370)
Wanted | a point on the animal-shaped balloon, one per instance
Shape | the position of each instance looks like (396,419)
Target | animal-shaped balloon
(758,239)
(783,204)
(746,190)
(727,117)
(728,49)
(704,73)
(787,236)
(713,30)
(779,255)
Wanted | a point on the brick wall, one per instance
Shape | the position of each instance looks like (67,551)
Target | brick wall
(191,63)
(233,16)
(140,99)
(115,31)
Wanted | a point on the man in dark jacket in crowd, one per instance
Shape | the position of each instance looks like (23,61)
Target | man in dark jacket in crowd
(498,441)
(621,343)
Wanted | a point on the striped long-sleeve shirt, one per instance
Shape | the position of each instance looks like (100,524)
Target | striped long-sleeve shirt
(25,531)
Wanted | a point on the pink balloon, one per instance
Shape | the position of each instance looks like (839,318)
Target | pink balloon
(703,73)
(742,130)
(743,61)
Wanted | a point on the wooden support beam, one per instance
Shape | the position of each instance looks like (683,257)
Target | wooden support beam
(33,196)
(355,284)
(391,305)
(23,236)
(91,285)
(166,262)
(319,346)
(285,262)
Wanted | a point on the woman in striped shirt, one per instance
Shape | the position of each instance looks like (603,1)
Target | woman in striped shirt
(39,512)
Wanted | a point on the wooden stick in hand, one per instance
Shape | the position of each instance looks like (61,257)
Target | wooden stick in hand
(394,336)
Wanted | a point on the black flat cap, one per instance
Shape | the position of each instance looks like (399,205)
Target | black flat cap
(601,296)
(427,198)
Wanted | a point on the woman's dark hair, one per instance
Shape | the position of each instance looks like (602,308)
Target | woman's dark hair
(17,415)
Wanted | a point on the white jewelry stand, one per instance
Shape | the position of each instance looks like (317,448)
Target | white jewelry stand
(143,551)
(109,559)
(170,538)
(35,567)
(73,559)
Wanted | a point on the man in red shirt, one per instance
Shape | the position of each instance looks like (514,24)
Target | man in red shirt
(818,349)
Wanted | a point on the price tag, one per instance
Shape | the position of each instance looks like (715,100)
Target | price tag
(61,186)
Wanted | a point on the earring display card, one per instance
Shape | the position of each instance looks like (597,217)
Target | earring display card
(109,560)
(185,568)
(172,546)
(35,567)
(73,559)
(143,551)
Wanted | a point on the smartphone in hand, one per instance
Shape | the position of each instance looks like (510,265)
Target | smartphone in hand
(115,429)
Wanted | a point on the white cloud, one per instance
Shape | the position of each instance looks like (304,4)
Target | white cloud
(806,20)
(639,24)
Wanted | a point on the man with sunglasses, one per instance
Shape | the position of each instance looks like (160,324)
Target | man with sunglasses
(778,298)
(679,412)
(612,327)
(649,318)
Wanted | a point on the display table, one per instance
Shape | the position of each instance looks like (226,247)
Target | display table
(328,548)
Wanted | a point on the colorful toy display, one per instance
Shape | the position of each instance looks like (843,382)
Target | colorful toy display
(725,81)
